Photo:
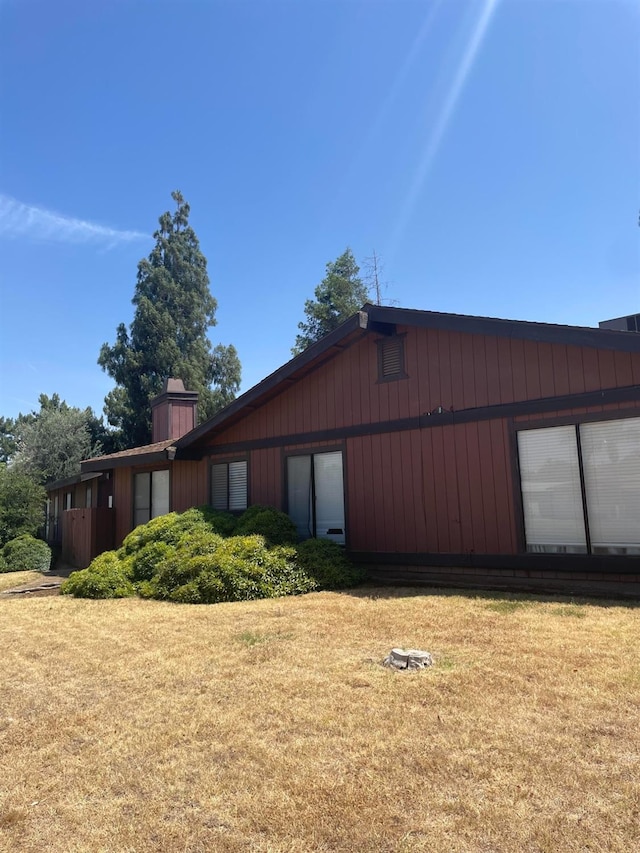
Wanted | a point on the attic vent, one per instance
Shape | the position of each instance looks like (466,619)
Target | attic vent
(391,358)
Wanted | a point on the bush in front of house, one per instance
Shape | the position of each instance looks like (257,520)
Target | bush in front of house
(145,561)
(108,576)
(219,521)
(169,528)
(327,563)
(240,568)
(276,526)
(186,558)
(25,553)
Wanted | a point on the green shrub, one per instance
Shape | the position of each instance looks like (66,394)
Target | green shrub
(240,568)
(145,561)
(221,522)
(169,528)
(3,564)
(26,553)
(327,563)
(108,576)
(276,526)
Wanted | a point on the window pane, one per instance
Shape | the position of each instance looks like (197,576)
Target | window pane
(159,493)
(219,486)
(299,494)
(611,462)
(87,498)
(329,496)
(141,498)
(551,495)
(237,485)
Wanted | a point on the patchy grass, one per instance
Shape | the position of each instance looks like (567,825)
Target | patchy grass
(270,726)
(10,580)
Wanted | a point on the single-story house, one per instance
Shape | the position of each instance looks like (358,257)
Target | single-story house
(437,448)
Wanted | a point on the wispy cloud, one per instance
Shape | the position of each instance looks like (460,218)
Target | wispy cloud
(484,11)
(19,220)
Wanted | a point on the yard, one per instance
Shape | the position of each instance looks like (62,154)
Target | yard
(271,726)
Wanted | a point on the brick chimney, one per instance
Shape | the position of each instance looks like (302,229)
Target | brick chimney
(174,412)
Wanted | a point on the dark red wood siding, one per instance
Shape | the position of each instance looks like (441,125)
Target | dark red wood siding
(454,370)
(441,489)
(432,488)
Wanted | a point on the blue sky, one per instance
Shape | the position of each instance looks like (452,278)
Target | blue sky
(489,152)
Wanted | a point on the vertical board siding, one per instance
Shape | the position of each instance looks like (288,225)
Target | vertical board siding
(440,490)
(455,370)
(122,503)
(189,481)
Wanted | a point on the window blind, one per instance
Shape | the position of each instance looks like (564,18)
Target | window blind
(300,494)
(551,492)
(329,496)
(611,462)
(238,485)
(219,486)
(159,493)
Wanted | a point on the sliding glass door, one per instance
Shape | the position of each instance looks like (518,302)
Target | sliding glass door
(315,490)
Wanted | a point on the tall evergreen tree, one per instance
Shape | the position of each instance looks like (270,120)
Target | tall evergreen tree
(339,295)
(168,335)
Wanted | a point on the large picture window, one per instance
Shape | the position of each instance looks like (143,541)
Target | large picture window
(229,485)
(151,496)
(581,487)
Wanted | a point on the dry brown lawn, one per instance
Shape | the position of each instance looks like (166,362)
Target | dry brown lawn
(9,580)
(271,726)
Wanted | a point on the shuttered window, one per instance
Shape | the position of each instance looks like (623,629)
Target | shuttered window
(391,358)
(551,493)
(611,461)
(229,485)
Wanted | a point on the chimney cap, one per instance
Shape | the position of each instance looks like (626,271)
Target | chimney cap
(173,386)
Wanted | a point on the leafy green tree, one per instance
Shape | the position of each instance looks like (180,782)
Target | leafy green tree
(339,295)
(174,308)
(21,504)
(51,445)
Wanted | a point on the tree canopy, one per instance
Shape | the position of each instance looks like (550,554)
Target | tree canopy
(174,308)
(21,503)
(50,444)
(339,295)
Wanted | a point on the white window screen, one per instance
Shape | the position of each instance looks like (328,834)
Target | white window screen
(611,463)
(551,493)
(87,498)
(329,496)
(237,485)
(300,494)
(159,493)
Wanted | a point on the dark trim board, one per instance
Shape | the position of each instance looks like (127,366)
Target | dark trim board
(555,564)
(446,418)
(585,336)
(505,581)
